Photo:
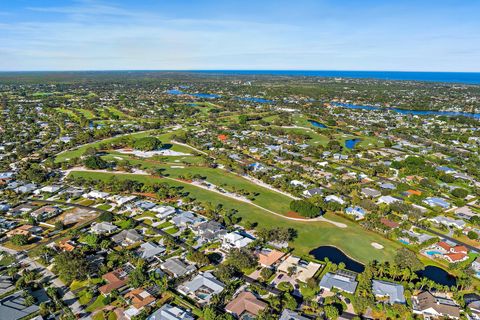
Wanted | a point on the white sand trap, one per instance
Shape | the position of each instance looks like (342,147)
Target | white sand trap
(377,245)
(177,167)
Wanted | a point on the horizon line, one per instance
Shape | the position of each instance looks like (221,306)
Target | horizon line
(241,70)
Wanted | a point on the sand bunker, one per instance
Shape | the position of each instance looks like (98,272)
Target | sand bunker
(377,245)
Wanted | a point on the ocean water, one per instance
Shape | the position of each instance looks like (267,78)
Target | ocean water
(448,77)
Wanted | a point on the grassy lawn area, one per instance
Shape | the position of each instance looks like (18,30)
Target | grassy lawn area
(266,198)
(88,114)
(75,153)
(98,303)
(104,206)
(353,240)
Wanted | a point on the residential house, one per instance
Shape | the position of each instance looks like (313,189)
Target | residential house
(431,306)
(176,267)
(449,222)
(210,230)
(437,202)
(185,219)
(26,230)
(357,212)
(163,212)
(202,288)
(149,251)
(245,306)
(44,213)
(103,228)
(388,200)
(302,270)
(371,193)
(392,291)
(269,257)
(311,192)
(334,198)
(169,312)
(343,280)
(115,279)
(138,298)
(291,315)
(127,237)
(234,240)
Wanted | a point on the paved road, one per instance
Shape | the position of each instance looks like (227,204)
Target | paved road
(470,247)
(67,296)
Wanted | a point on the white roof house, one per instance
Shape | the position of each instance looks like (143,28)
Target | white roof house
(103,228)
(387,199)
(202,287)
(393,291)
(234,240)
(169,312)
(335,198)
(163,211)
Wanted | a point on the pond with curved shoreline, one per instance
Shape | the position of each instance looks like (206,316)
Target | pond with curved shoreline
(336,256)
(438,275)
(317,124)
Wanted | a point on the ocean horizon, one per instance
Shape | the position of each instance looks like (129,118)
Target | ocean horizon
(472,78)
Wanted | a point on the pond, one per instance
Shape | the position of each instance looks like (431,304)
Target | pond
(336,256)
(317,124)
(351,143)
(438,275)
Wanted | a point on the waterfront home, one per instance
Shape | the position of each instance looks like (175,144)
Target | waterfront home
(431,306)
(392,291)
(343,280)
(201,288)
(357,212)
(302,270)
(169,312)
(245,306)
(234,240)
(437,202)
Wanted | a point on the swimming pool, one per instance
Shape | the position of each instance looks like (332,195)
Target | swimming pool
(432,253)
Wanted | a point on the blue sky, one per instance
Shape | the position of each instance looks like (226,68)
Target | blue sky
(421,35)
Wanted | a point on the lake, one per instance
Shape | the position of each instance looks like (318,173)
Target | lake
(317,124)
(336,256)
(198,95)
(410,112)
(438,275)
(351,143)
(257,100)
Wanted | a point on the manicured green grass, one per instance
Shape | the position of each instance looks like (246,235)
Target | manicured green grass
(78,152)
(266,198)
(68,112)
(353,240)
(88,114)
(98,303)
